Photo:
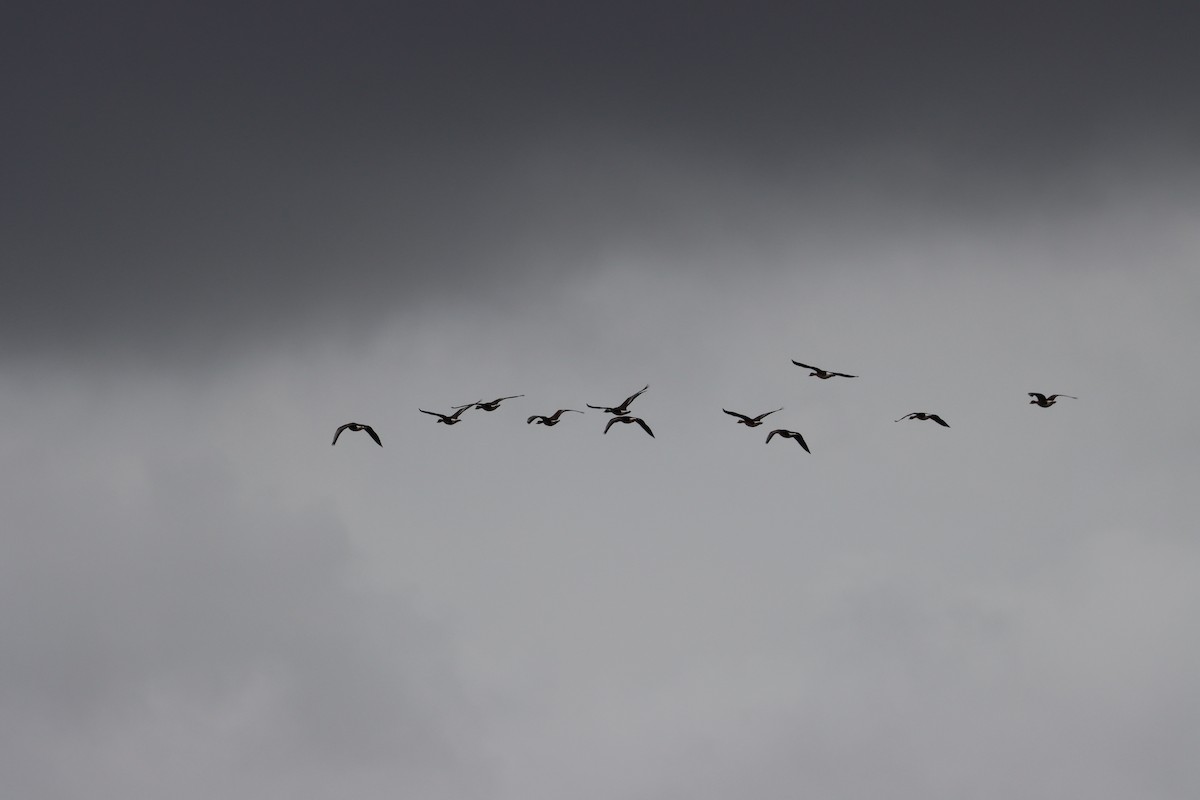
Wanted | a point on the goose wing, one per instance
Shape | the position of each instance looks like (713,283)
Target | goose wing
(645,427)
(436,414)
(634,396)
(939,420)
(780,431)
(742,417)
(760,417)
(807,366)
(800,440)
(339,432)
(611,421)
(371,432)
(1041,398)
(1073,397)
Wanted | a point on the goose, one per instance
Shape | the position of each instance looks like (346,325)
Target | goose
(551,420)
(923,415)
(749,422)
(356,426)
(789,435)
(624,407)
(492,406)
(452,419)
(1044,401)
(627,419)
(823,374)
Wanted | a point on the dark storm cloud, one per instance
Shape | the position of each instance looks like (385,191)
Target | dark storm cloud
(180,173)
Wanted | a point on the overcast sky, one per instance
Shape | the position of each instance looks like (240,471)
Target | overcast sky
(227,230)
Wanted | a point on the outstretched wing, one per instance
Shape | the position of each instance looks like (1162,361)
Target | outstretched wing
(939,420)
(339,432)
(800,439)
(501,399)
(645,427)
(772,433)
(760,417)
(434,413)
(1041,398)
(634,396)
(906,416)
(844,375)
(806,366)
(371,431)
(458,413)
(598,408)
(1073,397)
(611,421)
(468,405)
(740,416)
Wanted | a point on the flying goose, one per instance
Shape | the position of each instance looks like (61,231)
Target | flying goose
(492,406)
(627,419)
(551,420)
(451,419)
(355,426)
(822,373)
(749,422)
(923,415)
(789,435)
(624,407)
(1044,401)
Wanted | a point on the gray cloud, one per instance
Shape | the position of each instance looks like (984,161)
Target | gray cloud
(243,227)
(194,177)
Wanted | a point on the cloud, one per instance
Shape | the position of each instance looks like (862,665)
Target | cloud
(172,631)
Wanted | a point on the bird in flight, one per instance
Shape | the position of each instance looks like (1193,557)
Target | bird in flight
(789,435)
(492,406)
(923,415)
(822,373)
(451,419)
(624,407)
(627,419)
(551,420)
(1044,401)
(355,426)
(750,422)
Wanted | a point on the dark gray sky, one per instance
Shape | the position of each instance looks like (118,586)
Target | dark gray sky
(227,230)
(256,163)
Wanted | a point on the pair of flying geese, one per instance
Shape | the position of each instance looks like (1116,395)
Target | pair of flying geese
(621,412)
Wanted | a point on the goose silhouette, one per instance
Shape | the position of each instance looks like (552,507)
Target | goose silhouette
(624,407)
(627,419)
(823,374)
(490,406)
(1044,401)
(449,419)
(356,426)
(749,422)
(551,420)
(789,435)
(923,415)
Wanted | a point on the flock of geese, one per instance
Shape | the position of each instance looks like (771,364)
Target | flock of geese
(620,413)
